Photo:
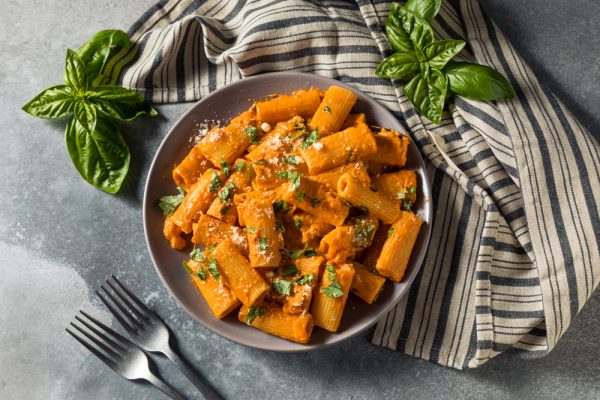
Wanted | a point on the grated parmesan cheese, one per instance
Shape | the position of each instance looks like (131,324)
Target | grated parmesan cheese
(265,127)
(318,145)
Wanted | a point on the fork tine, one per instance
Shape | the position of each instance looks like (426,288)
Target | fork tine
(99,333)
(107,349)
(123,297)
(128,328)
(115,335)
(134,322)
(91,348)
(133,296)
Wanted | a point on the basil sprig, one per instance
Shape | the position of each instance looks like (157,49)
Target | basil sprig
(94,142)
(425,63)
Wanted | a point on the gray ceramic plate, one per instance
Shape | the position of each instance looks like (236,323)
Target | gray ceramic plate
(223,105)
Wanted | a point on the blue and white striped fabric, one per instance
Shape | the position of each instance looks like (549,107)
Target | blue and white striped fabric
(514,253)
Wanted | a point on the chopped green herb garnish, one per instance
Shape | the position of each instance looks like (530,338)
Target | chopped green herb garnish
(292,176)
(281,286)
(201,273)
(412,190)
(310,253)
(363,232)
(252,133)
(326,109)
(170,203)
(212,268)
(240,165)
(280,226)
(314,202)
(299,195)
(297,222)
(310,139)
(225,169)
(262,243)
(215,183)
(305,279)
(289,269)
(212,247)
(406,204)
(292,160)
(197,255)
(187,267)
(254,312)
(299,126)
(281,205)
(250,229)
(333,290)
(306,252)
(390,232)
(226,191)
(225,208)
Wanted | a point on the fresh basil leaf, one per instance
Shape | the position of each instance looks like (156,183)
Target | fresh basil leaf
(418,29)
(292,176)
(289,269)
(297,223)
(186,266)
(292,160)
(440,52)
(254,312)
(96,52)
(312,137)
(262,243)
(201,273)
(281,205)
(281,286)
(120,103)
(76,76)
(101,155)
(54,102)
(399,66)
(333,290)
(428,93)
(399,39)
(426,9)
(478,82)
(169,204)
(85,114)
(215,182)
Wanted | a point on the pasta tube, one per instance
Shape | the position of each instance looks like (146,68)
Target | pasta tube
(210,231)
(332,111)
(391,148)
(197,200)
(397,248)
(263,239)
(302,102)
(378,204)
(191,168)
(218,296)
(327,309)
(270,318)
(346,146)
(400,186)
(330,178)
(245,283)
(173,234)
(228,143)
(366,285)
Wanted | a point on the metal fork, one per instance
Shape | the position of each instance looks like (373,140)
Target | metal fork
(124,357)
(147,330)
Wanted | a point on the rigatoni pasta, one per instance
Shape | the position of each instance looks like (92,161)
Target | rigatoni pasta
(290,207)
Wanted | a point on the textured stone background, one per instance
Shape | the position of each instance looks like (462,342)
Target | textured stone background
(59,237)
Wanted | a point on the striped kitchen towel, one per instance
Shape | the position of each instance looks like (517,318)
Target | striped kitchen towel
(514,251)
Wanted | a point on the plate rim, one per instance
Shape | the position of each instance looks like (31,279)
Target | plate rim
(148,203)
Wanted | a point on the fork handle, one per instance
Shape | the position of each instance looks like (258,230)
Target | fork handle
(164,387)
(208,392)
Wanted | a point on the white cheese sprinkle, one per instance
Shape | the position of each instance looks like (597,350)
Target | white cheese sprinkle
(265,127)
(318,145)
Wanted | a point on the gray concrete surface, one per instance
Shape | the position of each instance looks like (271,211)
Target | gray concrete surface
(59,237)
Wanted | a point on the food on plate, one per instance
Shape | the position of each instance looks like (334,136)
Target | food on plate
(294,205)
